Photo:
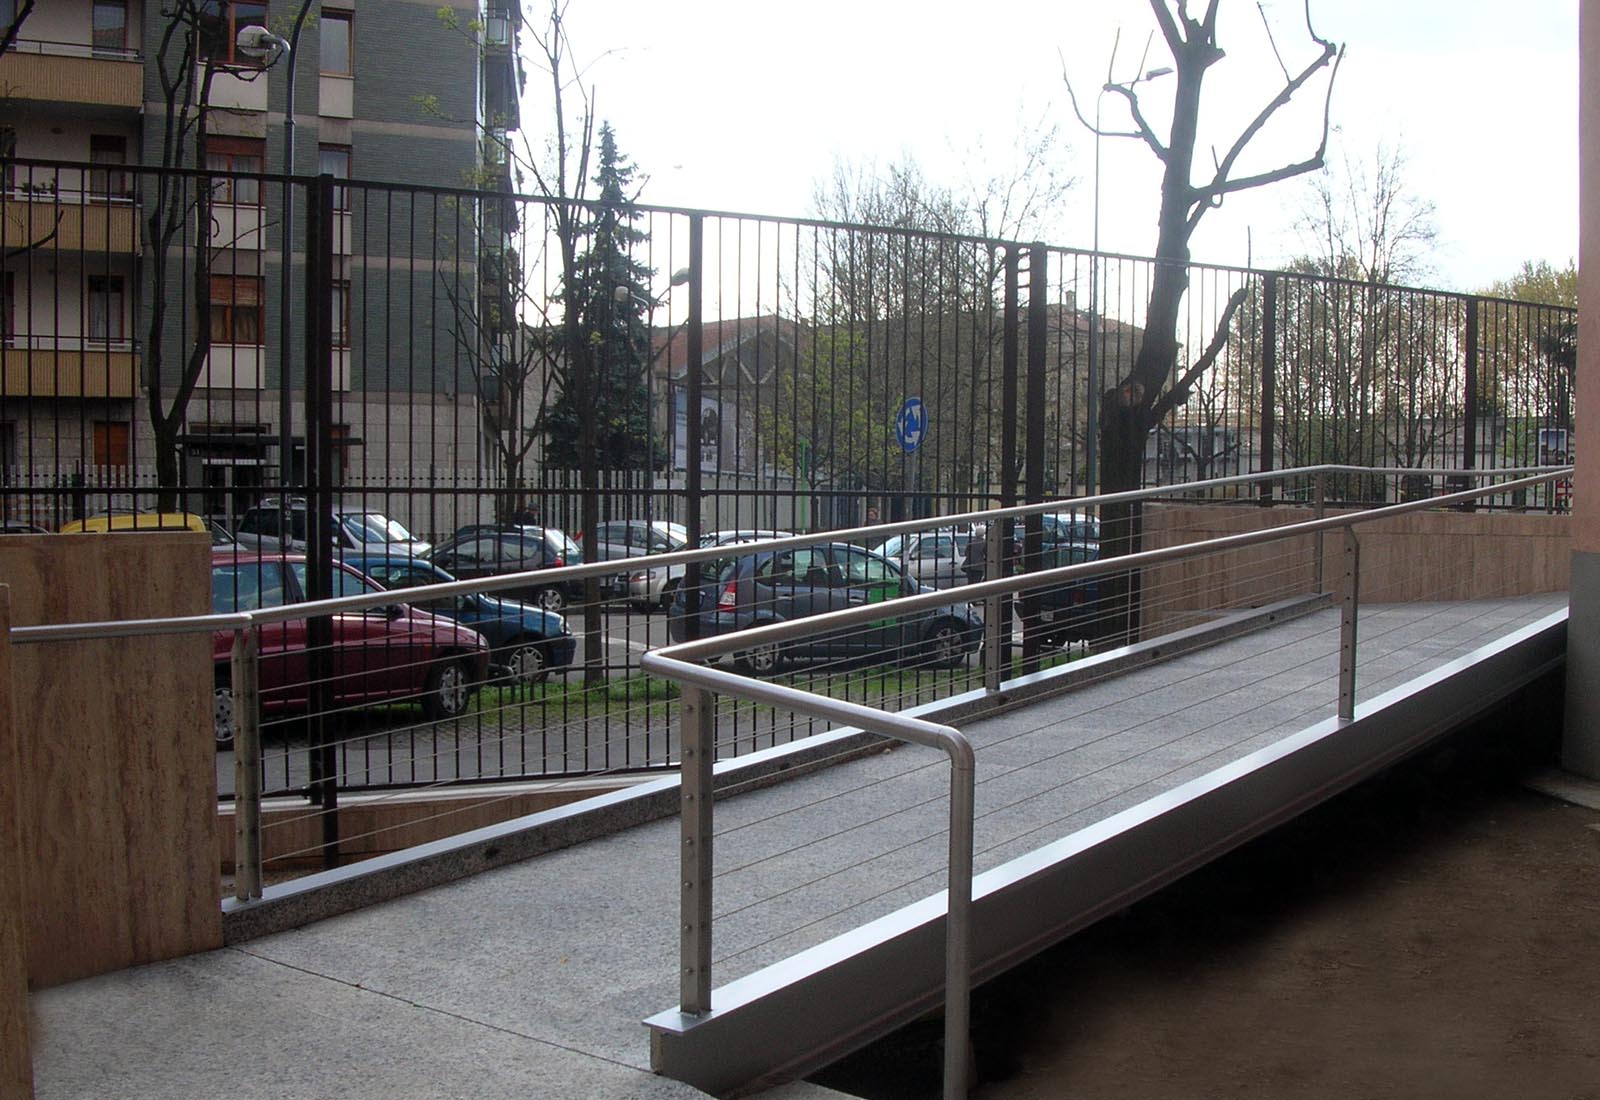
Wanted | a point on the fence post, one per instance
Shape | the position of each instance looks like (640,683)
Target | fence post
(694,351)
(996,609)
(1001,566)
(247,763)
(1033,526)
(1348,607)
(319,506)
(697,719)
(1269,385)
(1320,489)
(1469,403)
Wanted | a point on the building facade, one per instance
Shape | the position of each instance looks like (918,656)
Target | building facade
(129,295)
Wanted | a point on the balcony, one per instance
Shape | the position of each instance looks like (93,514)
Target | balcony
(72,72)
(52,212)
(49,366)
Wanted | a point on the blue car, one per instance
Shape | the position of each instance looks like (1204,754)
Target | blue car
(754,589)
(525,642)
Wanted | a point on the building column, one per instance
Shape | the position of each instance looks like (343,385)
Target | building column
(1580,749)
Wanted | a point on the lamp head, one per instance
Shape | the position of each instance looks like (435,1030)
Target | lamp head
(260,44)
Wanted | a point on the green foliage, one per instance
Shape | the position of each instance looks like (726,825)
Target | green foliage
(615,333)
(1541,282)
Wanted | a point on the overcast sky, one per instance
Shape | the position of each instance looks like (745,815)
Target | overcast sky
(743,106)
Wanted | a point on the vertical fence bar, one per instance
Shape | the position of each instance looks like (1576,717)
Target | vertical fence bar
(697,718)
(1269,387)
(246,670)
(1348,607)
(1010,347)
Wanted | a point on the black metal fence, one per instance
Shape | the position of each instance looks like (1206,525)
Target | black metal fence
(445,358)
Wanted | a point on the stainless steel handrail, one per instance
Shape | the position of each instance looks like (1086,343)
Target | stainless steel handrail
(697,709)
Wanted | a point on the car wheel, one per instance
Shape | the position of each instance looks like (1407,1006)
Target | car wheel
(222,720)
(946,644)
(669,591)
(448,690)
(551,599)
(526,664)
(762,661)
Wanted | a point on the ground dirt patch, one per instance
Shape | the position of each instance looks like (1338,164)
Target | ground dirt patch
(1433,933)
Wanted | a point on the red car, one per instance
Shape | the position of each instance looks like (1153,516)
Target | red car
(392,653)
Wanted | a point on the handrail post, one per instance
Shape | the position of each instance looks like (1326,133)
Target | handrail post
(958,926)
(996,610)
(1321,489)
(696,716)
(246,681)
(1348,607)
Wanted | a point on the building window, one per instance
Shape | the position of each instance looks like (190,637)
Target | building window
(220,23)
(111,25)
(105,307)
(335,161)
(338,40)
(108,183)
(236,155)
(111,443)
(341,313)
(236,309)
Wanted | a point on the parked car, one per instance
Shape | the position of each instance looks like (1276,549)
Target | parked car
(642,585)
(743,534)
(525,642)
(390,653)
(1069,612)
(356,530)
(20,527)
(769,586)
(121,519)
(935,558)
(522,550)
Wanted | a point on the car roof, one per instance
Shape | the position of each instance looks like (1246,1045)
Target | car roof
(224,555)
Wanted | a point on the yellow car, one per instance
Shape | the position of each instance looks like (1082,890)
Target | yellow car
(142,521)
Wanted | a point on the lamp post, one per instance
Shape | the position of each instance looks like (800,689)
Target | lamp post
(1092,450)
(271,48)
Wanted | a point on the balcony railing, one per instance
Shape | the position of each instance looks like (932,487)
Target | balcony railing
(73,72)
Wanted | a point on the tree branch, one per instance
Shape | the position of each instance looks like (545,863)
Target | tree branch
(1179,391)
(9,37)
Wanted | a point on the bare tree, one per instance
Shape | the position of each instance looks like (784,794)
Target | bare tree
(1155,385)
(176,204)
(13,29)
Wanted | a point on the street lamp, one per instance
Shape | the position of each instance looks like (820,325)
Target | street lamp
(262,44)
(1092,450)
(622,294)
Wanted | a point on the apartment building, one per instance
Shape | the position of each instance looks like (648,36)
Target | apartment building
(399,91)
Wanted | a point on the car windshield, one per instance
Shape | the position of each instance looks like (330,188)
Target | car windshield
(246,586)
(375,527)
(569,550)
(891,548)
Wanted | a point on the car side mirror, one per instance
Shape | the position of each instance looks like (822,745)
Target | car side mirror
(395,611)
(908,587)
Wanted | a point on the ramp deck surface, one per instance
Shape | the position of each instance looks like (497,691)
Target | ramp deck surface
(533,980)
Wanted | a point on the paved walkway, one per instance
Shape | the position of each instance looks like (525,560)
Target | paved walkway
(532,980)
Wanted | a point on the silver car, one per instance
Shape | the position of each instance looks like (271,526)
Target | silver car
(935,558)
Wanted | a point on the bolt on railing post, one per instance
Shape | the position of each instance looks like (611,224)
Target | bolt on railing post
(246,681)
(1348,607)
(1321,491)
(995,610)
(696,716)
